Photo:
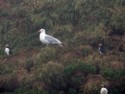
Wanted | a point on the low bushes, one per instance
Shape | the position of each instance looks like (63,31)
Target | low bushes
(29,91)
(113,74)
(51,75)
(79,66)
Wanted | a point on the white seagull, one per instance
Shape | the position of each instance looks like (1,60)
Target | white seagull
(7,50)
(47,39)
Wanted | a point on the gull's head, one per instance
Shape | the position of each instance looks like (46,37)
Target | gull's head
(42,31)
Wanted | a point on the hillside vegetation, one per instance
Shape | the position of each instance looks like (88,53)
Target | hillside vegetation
(75,68)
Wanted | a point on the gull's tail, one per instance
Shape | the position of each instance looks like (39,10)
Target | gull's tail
(60,45)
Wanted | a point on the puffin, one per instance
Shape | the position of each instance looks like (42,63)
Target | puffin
(7,50)
(103,90)
(101,48)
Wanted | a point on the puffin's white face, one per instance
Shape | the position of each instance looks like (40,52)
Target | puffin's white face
(42,30)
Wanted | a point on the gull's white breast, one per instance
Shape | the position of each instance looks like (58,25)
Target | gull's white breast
(42,38)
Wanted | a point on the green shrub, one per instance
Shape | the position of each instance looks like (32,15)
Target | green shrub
(3,13)
(29,91)
(117,87)
(79,66)
(85,51)
(6,69)
(75,74)
(29,64)
(72,91)
(113,74)
(51,74)
(93,90)
(48,54)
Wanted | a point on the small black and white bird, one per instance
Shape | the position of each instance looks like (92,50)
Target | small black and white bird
(101,48)
(48,39)
(103,90)
(7,50)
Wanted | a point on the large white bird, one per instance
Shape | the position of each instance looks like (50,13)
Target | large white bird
(47,39)
(103,90)
(7,50)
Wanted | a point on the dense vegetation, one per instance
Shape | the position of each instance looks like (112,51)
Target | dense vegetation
(75,68)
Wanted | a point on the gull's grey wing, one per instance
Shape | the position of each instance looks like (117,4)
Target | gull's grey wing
(52,40)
